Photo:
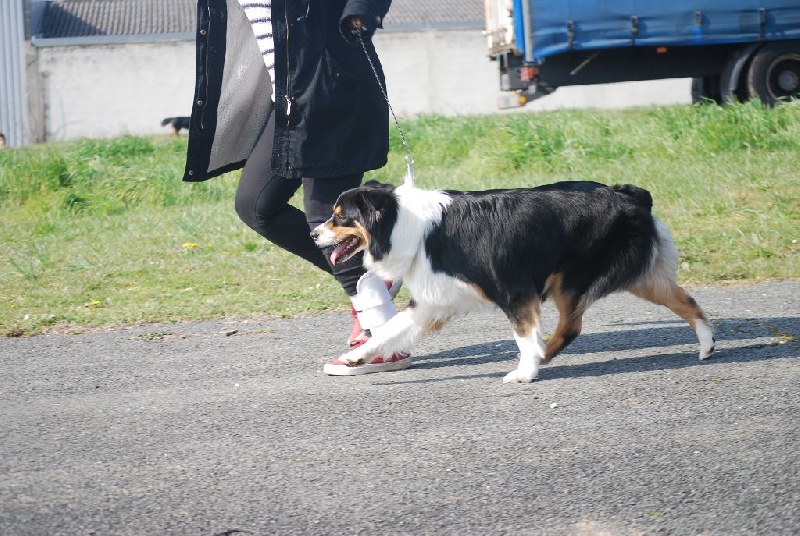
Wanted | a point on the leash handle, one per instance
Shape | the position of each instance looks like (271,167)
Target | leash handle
(409,178)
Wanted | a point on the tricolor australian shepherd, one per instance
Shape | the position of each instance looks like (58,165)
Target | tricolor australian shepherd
(177,124)
(570,242)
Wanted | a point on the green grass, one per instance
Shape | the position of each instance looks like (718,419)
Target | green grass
(104,233)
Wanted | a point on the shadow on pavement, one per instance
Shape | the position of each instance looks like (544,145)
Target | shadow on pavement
(784,332)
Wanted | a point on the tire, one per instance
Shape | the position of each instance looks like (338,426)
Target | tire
(740,91)
(733,78)
(774,74)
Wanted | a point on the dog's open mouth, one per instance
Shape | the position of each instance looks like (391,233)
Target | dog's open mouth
(345,249)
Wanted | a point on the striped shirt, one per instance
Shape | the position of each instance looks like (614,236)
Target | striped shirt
(260,16)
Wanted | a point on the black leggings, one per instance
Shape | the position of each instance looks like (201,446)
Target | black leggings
(262,202)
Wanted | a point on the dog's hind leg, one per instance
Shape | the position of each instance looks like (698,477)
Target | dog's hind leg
(675,298)
(571,307)
(658,286)
(524,318)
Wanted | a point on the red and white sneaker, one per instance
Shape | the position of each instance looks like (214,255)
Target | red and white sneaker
(398,361)
(357,335)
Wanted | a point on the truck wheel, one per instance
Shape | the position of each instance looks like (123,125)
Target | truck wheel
(733,79)
(774,75)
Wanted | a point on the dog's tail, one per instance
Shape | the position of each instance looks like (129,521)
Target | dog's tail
(640,195)
(166,121)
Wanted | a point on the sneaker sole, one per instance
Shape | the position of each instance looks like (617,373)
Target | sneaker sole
(343,370)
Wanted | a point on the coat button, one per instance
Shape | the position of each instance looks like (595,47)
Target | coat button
(199,103)
(202,32)
(190,173)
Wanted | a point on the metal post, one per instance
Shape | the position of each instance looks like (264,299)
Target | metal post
(13,94)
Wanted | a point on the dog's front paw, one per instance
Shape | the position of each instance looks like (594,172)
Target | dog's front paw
(517,376)
(353,358)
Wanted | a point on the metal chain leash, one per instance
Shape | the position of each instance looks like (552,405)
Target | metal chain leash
(409,178)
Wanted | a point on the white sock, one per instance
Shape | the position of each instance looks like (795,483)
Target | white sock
(372,302)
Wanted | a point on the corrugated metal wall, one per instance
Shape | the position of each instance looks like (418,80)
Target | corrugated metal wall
(13,98)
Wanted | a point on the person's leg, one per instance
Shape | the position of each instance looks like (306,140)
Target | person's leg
(262,202)
(319,196)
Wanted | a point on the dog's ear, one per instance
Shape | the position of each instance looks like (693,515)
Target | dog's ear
(372,204)
(365,203)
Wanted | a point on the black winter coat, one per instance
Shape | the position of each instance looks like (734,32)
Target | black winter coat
(331,117)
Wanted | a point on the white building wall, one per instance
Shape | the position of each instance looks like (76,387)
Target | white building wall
(438,72)
(111,90)
(114,89)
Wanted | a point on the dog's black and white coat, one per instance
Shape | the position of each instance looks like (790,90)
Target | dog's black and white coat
(177,124)
(571,242)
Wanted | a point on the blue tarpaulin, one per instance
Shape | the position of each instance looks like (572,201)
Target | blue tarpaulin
(556,26)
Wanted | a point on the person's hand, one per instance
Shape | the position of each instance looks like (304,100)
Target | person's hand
(355,23)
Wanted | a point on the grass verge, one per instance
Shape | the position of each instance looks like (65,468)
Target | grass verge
(103,233)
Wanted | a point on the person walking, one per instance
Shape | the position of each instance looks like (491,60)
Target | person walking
(285,91)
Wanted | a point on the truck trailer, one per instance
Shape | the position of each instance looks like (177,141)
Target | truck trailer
(732,49)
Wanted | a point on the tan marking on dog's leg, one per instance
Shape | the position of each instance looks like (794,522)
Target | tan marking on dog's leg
(480,292)
(570,318)
(525,321)
(434,325)
(675,298)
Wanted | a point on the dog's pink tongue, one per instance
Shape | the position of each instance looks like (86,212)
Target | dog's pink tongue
(336,254)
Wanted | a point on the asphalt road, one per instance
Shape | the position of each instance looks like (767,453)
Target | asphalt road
(230,427)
